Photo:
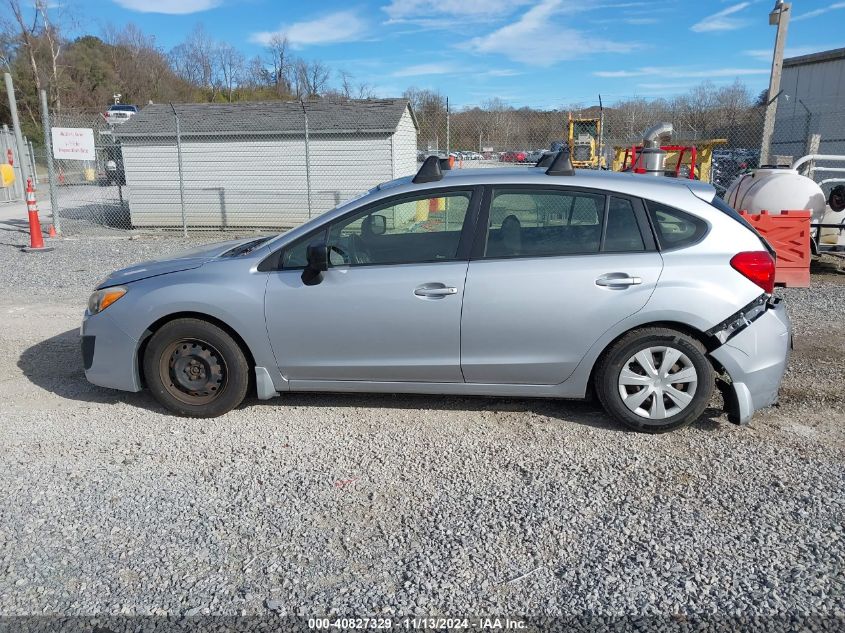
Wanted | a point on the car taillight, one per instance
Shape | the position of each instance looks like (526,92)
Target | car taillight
(757,266)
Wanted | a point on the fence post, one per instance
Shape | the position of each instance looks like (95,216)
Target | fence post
(51,168)
(13,107)
(448,130)
(307,157)
(181,175)
(11,193)
(812,147)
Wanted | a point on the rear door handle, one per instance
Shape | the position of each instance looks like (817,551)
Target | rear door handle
(618,280)
(437,291)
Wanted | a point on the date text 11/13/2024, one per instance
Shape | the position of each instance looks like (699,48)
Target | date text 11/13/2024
(419,623)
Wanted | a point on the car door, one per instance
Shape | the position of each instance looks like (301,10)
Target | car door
(389,306)
(552,269)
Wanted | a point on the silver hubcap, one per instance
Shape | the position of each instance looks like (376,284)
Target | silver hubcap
(657,382)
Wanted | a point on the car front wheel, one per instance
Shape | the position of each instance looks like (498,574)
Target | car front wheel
(655,380)
(195,369)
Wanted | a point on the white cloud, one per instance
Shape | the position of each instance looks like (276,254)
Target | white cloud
(765,54)
(501,72)
(816,12)
(412,10)
(424,69)
(342,26)
(173,7)
(673,72)
(722,21)
(537,38)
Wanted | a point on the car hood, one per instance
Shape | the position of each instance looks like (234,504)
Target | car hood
(186,260)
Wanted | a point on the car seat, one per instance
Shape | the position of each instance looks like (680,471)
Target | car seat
(511,235)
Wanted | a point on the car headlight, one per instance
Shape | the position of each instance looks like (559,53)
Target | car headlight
(102,299)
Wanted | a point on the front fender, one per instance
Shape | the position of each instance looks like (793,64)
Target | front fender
(212,290)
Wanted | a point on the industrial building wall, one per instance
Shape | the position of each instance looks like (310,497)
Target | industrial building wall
(811,102)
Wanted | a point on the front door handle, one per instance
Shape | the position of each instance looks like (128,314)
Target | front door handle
(435,291)
(618,280)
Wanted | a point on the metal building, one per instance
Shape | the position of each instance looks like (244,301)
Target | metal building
(812,101)
(268,164)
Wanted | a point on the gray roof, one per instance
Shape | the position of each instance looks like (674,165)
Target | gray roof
(815,58)
(325,116)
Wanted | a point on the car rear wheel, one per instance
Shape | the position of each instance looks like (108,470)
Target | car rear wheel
(196,369)
(655,380)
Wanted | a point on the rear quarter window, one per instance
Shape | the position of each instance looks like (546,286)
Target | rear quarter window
(675,228)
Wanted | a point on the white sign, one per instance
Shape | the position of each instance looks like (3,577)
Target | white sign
(74,143)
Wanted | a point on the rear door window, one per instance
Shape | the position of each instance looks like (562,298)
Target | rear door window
(675,228)
(623,231)
(526,223)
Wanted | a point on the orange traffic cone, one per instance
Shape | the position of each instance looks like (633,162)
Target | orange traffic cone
(52,232)
(36,239)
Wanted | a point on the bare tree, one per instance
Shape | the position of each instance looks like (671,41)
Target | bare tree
(281,63)
(195,60)
(351,90)
(54,43)
(28,34)
(312,78)
(231,62)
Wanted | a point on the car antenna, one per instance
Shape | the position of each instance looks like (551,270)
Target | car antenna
(429,171)
(546,159)
(561,165)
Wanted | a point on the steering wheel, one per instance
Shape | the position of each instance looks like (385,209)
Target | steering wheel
(344,255)
(360,254)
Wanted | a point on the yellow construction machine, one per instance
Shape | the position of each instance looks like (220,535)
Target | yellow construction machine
(585,143)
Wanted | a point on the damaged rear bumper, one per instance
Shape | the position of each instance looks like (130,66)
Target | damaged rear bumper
(755,359)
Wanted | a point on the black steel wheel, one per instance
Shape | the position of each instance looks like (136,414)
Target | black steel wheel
(193,371)
(194,368)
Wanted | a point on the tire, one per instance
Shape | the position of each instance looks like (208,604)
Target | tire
(195,369)
(652,402)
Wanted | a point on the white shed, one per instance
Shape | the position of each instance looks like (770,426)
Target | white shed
(269,164)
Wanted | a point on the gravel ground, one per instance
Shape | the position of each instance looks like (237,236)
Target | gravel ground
(404,505)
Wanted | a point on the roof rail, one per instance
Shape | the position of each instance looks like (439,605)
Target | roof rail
(546,159)
(429,171)
(561,165)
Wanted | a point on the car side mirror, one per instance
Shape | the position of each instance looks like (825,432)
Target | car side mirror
(317,256)
(378,224)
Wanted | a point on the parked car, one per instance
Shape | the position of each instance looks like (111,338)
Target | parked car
(498,282)
(120,113)
(512,157)
(534,156)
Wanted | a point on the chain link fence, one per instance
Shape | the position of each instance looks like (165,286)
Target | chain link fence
(270,166)
(9,156)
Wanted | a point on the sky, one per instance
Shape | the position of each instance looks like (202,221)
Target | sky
(541,53)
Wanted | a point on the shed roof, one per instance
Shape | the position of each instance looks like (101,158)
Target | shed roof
(325,116)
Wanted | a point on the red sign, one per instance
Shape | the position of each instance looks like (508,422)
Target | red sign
(10,157)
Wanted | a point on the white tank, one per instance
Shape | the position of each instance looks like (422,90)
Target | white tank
(776,190)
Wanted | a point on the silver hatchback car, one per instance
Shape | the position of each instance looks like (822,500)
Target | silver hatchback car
(529,282)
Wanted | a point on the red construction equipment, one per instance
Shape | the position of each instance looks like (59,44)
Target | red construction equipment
(789,234)
(36,239)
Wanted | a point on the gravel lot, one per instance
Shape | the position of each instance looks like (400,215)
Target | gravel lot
(403,505)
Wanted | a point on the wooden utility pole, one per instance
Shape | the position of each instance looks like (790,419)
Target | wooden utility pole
(779,16)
